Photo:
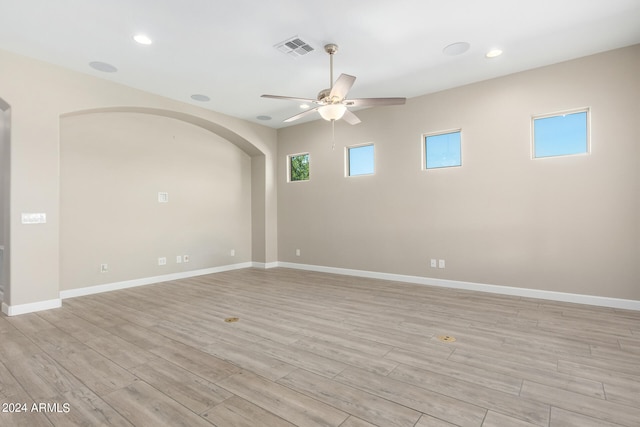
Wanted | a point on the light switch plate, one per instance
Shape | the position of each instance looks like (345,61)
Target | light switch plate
(34,218)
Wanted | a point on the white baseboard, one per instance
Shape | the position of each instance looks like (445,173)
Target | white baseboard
(89,290)
(453,284)
(265,266)
(14,310)
(480,287)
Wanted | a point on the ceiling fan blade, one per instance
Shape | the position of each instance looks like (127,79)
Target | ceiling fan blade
(289,98)
(350,118)
(300,115)
(341,86)
(372,102)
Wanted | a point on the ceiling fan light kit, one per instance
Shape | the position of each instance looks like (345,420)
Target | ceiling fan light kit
(332,103)
(332,111)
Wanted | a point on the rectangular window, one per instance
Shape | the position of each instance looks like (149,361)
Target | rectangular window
(442,150)
(298,167)
(561,134)
(360,160)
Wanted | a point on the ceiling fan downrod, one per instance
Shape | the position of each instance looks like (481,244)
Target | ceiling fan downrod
(331,49)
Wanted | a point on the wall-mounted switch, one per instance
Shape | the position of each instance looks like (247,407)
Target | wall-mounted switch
(34,218)
(440,263)
(104,268)
(434,263)
(179,259)
(163,197)
(162,261)
(297,252)
(232,252)
(185,258)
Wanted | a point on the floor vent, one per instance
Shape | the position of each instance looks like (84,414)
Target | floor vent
(294,46)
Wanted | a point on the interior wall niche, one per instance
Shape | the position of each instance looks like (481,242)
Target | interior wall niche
(115,226)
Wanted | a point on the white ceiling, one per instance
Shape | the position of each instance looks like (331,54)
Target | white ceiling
(225,48)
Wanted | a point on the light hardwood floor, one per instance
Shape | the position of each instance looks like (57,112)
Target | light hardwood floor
(313,349)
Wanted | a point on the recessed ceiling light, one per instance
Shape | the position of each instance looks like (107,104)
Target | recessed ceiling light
(263,117)
(456,48)
(142,39)
(493,53)
(103,66)
(200,97)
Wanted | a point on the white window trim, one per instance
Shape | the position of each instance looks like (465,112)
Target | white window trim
(532,145)
(347,172)
(423,148)
(289,156)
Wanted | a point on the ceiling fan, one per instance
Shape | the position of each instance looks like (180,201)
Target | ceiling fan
(332,103)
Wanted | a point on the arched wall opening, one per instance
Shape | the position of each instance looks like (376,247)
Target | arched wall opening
(114,165)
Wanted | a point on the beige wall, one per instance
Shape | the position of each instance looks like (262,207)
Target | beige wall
(112,167)
(39,94)
(566,224)
(5,163)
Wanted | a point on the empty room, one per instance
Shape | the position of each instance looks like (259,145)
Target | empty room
(320,213)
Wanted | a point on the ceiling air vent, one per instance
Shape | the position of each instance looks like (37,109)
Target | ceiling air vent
(294,47)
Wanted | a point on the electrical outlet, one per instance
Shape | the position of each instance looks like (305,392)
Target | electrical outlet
(440,263)
(297,252)
(232,252)
(179,259)
(185,258)
(162,261)
(104,268)
(434,263)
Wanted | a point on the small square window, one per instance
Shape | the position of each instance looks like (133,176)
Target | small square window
(442,150)
(561,134)
(360,160)
(298,167)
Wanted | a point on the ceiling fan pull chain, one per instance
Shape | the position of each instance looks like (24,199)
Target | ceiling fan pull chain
(333,134)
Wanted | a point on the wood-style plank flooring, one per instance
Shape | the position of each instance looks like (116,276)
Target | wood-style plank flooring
(314,349)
